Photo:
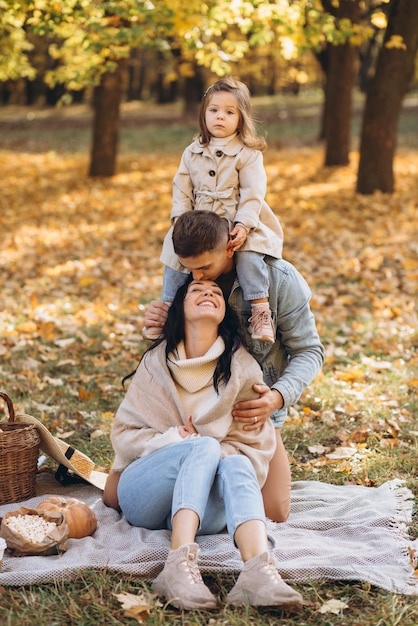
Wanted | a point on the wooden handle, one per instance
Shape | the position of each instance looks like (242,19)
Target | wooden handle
(9,406)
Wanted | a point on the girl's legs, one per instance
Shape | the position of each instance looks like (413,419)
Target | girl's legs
(180,582)
(252,275)
(254,281)
(234,499)
(276,489)
(172,280)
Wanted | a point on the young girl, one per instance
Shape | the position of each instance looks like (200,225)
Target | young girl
(181,462)
(222,171)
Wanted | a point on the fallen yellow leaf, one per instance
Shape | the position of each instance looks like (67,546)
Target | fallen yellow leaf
(343,452)
(136,606)
(83,394)
(26,327)
(333,606)
(351,376)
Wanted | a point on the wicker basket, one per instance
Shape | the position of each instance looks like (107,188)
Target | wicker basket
(19,451)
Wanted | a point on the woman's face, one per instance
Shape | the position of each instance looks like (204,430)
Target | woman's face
(204,301)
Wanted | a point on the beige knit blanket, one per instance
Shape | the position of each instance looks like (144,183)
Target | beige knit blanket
(333,533)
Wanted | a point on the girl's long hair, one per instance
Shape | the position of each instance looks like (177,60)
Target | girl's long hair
(173,334)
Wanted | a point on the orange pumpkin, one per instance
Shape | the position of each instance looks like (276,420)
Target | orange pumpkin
(80,518)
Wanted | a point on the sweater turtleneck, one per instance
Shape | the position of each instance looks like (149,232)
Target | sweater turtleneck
(220,142)
(194,378)
(196,373)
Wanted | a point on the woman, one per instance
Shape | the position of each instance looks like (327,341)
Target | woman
(182,463)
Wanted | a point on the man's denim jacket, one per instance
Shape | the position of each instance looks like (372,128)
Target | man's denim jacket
(293,361)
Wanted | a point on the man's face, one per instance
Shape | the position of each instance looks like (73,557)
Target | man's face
(209,265)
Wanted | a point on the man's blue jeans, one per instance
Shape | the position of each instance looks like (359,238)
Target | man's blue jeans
(191,475)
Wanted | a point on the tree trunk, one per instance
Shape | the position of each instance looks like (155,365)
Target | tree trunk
(394,71)
(342,68)
(193,89)
(107,100)
(323,59)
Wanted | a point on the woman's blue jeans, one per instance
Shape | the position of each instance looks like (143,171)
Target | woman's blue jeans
(191,475)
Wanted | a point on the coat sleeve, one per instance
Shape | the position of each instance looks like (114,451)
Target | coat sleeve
(299,336)
(183,199)
(252,190)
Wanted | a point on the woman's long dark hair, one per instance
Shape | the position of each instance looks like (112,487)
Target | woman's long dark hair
(173,334)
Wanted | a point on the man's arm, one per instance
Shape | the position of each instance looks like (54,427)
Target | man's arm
(299,339)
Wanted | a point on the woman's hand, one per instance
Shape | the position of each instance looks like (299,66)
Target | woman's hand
(188,430)
(253,413)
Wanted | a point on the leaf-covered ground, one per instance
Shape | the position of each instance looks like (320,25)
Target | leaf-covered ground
(80,256)
(80,259)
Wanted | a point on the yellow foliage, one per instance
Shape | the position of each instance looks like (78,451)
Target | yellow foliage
(396,42)
(379,19)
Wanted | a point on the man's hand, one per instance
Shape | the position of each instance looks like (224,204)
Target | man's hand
(247,411)
(155,316)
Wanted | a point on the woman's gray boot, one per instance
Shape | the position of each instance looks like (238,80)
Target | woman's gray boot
(260,584)
(181,583)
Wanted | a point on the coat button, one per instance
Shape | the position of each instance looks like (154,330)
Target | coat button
(219,153)
(212,173)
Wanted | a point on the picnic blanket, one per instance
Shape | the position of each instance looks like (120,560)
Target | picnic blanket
(333,533)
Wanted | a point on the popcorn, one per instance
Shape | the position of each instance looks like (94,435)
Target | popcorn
(34,532)
(32,527)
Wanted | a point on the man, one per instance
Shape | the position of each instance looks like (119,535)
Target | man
(201,242)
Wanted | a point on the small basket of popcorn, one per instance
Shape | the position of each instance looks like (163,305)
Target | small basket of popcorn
(19,451)
(30,532)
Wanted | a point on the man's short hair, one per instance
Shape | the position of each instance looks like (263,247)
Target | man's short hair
(196,232)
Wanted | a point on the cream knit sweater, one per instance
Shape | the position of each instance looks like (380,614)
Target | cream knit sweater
(155,403)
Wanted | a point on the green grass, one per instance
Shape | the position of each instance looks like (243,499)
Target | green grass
(284,119)
(89,601)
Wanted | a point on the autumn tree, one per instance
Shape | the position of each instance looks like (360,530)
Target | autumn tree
(107,99)
(337,30)
(394,71)
(340,78)
(90,39)
(14,44)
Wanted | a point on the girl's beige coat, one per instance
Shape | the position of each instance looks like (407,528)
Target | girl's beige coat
(232,182)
